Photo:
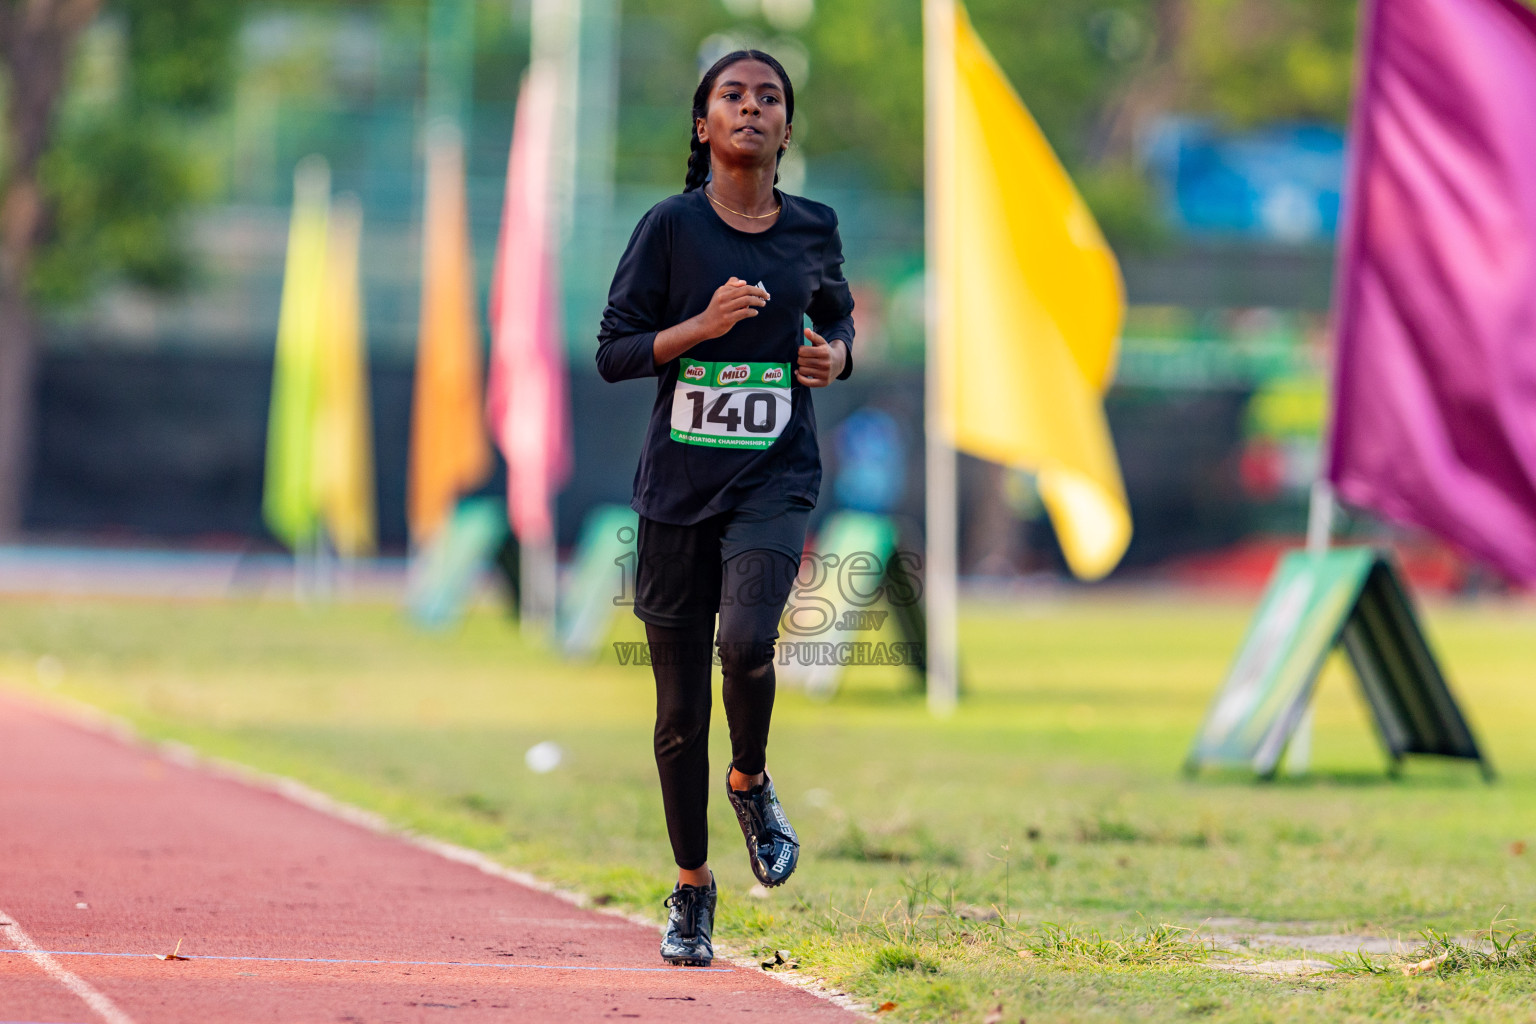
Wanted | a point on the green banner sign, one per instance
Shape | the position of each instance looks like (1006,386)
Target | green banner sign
(600,584)
(1348,596)
(445,572)
(856,601)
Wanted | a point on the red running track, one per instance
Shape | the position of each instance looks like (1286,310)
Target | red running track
(110,854)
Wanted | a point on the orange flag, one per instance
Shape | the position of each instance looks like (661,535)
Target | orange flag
(450,454)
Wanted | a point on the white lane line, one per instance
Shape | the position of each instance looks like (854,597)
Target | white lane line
(383,963)
(103,1006)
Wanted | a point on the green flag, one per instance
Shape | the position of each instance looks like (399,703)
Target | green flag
(291,501)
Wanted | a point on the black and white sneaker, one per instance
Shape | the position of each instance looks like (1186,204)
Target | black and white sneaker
(773,849)
(688,940)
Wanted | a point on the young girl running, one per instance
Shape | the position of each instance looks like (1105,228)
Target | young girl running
(711,298)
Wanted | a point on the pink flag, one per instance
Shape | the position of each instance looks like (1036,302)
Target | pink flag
(1434,419)
(527,398)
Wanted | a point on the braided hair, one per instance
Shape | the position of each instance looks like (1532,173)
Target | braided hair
(698,152)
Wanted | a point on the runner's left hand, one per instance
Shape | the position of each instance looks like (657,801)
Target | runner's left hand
(818,364)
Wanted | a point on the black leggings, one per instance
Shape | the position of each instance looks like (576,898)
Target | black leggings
(753,588)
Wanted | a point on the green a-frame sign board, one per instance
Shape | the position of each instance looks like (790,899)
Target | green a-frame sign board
(1314,603)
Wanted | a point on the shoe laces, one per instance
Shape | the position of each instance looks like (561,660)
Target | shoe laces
(685,899)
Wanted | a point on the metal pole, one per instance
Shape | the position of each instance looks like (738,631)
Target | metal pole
(595,70)
(1320,518)
(555,31)
(450,61)
(578,39)
(537,570)
(942,513)
(1298,753)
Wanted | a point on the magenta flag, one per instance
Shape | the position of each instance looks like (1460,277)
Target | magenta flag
(1434,416)
(527,397)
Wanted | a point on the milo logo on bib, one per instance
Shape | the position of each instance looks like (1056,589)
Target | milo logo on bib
(738,374)
(695,372)
(774,375)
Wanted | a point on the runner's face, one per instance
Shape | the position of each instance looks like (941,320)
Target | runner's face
(745,120)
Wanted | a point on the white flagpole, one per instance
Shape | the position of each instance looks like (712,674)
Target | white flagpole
(1320,510)
(1320,517)
(942,511)
(556,29)
(537,583)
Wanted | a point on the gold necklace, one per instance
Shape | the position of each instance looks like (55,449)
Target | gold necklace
(749,216)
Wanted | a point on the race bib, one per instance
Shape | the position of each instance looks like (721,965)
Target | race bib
(730,405)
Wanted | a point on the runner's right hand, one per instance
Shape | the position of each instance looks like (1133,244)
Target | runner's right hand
(735,300)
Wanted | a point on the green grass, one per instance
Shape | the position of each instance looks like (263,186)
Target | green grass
(1038,852)
(1501,948)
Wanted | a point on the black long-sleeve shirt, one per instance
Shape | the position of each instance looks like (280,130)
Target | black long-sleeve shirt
(730,423)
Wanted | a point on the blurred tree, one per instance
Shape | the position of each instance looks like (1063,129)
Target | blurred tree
(1242,62)
(93,190)
(36,39)
(1250,61)
(1094,73)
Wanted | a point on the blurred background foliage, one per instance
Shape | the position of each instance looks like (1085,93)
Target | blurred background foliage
(1080,65)
(1093,73)
(140,137)
(127,156)
(116,186)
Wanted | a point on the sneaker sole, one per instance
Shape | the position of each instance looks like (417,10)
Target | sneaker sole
(687,961)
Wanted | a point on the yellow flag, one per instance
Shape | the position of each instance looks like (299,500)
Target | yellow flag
(1030,305)
(344,438)
(289,501)
(450,452)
